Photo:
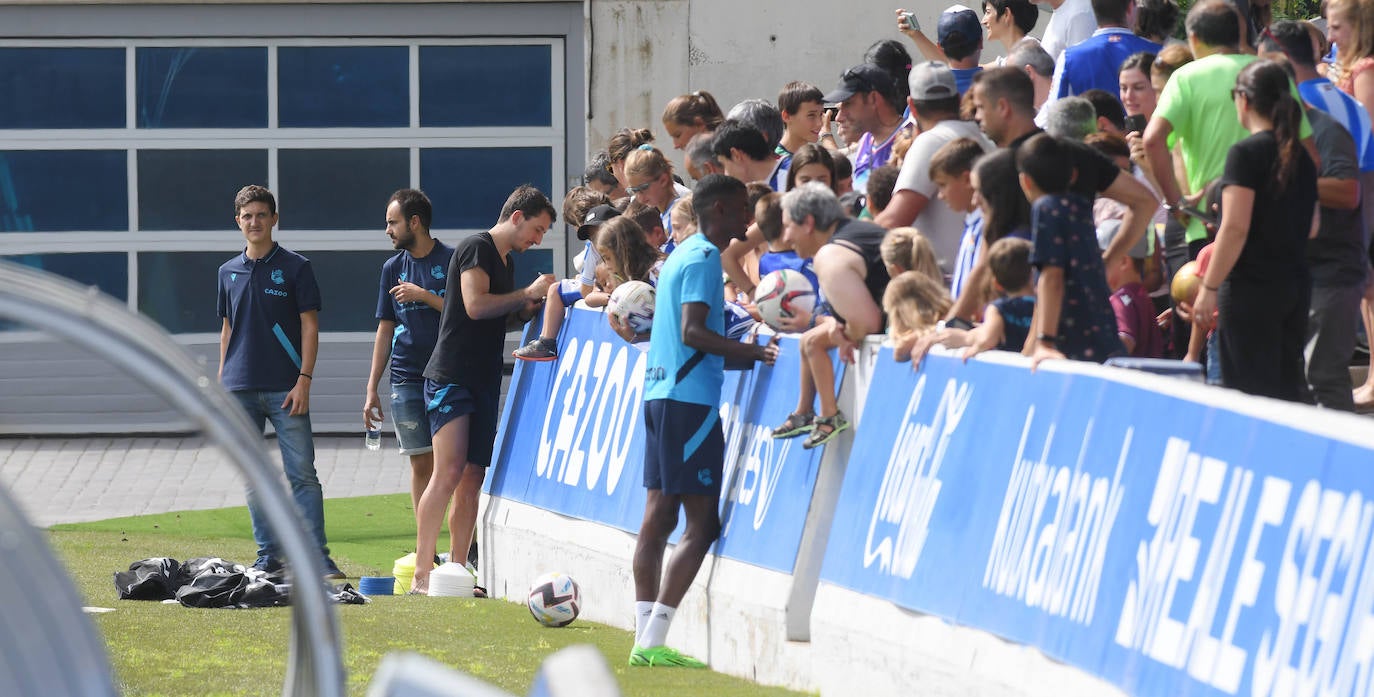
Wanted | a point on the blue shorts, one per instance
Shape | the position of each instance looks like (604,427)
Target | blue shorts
(684,448)
(409,418)
(446,402)
(570,291)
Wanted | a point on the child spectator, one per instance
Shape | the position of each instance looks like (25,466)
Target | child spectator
(914,304)
(686,115)
(619,147)
(879,189)
(906,249)
(802,113)
(768,216)
(1135,311)
(649,177)
(812,163)
(1074,317)
(951,170)
(1006,320)
(598,176)
(844,174)
(626,254)
(684,221)
(587,209)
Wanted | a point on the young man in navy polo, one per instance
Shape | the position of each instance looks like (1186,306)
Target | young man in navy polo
(270,305)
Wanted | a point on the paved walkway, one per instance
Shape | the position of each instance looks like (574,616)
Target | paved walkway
(70,480)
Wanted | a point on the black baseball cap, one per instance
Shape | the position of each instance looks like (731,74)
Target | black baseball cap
(595,217)
(865,77)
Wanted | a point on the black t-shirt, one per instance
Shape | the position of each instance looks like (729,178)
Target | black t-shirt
(1095,171)
(1280,220)
(469,351)
(866,238)
(1336,256)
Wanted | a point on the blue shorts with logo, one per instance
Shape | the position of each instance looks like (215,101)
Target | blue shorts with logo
(684,448)
(409,418)
(446,402)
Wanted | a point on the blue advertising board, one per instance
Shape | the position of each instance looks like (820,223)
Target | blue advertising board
(571,441)
(1169,546)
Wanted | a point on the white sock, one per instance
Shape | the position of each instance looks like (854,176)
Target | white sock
(656,630)
(643,609)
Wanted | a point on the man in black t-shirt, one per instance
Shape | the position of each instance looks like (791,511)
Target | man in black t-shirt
(463,378)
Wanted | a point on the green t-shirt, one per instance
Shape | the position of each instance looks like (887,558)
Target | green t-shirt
(1197,103)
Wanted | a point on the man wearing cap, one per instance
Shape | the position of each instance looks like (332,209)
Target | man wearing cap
(410,299)
(934,105)
(568,291)
(1094,63)
(961,38)
(869,105)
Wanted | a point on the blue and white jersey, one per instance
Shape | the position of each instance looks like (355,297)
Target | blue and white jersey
(788,259)
(968,251)
(417,324)
(675,371)
(1322,94)
(263,300)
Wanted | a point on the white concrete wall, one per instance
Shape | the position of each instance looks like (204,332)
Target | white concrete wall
(645,52)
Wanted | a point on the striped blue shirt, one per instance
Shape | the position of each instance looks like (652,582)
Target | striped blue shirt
(968,251)
(1346,110)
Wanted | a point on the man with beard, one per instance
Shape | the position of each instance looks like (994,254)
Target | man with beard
(410,299)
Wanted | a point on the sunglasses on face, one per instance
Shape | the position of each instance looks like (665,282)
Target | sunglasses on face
(641,187)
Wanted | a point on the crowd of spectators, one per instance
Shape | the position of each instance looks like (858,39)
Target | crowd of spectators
(1044,202)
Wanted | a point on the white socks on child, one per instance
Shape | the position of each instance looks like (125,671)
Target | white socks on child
(643,609)
(656,630)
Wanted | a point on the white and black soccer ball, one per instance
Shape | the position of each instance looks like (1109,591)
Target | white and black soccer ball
(632,303)
(555,600)
(784,293)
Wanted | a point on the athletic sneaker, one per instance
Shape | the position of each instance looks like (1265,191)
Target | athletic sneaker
(537,350)
(268,564)
(824,429)
(662,657)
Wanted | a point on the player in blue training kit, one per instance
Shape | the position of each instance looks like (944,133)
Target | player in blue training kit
(684,445)
(269,303)
(410,299)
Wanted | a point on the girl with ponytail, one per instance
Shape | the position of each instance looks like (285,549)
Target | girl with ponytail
(689,114)
(1256,289)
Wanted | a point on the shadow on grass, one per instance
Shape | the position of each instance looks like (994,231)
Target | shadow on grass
(165,649)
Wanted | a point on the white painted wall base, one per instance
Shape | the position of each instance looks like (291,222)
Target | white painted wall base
(733,617)
(866,646)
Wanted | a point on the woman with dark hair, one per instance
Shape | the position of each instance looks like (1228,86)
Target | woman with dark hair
(893,58)
(1006,22)
(1006,212)
(689,114)
(812,163)
(1256,289)
(619,147)
(1138,94)
(1155,20)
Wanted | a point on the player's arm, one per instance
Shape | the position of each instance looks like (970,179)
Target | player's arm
(695,334)
(381,351)
(223,346)
(297,402)
(481,303)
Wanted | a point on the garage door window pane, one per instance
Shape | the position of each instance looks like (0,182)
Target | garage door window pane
(348,286)
(64,190)
(62,88)
(486,86)
(333,86)
(107,271)
(339,189)
(177,289)
(194,189)
(202,87)
(469,185)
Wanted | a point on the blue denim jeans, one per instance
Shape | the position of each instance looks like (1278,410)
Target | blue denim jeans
(297,446)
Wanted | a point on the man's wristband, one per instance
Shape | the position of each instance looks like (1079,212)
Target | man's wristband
(308,376)
(1050,339)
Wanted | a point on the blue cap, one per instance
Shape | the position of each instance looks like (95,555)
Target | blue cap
(959,28)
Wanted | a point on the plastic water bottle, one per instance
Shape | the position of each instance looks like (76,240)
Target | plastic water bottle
(373,439)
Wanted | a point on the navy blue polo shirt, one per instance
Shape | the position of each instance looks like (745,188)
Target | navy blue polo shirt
(263,300)
(417,324)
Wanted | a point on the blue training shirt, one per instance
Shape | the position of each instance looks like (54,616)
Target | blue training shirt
(263,300)
(692,274)
(788,259)
(417,324)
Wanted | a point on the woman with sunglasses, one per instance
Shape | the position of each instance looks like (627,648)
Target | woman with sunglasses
(649,179)
(1256,289)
